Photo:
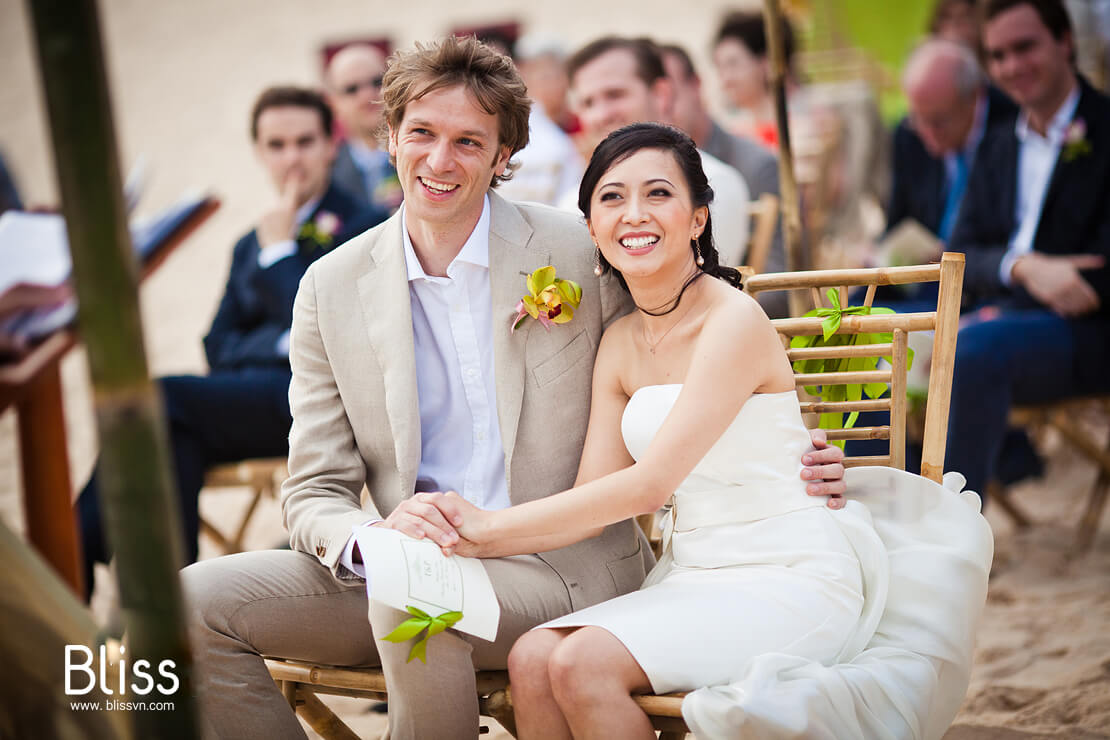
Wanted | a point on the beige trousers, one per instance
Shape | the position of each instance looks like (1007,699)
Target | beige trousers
(285,604)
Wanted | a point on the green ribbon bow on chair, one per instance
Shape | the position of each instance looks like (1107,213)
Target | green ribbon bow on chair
(420,621)
(830,324)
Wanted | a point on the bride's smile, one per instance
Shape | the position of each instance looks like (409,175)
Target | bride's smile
(643,220)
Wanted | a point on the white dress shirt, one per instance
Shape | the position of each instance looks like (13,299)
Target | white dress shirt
(549,167)
(452,325)
(1036,161)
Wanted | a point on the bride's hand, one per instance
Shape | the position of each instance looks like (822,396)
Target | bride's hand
(469,521)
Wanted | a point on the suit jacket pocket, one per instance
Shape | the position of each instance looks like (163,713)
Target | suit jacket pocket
(574,352)
(628,573)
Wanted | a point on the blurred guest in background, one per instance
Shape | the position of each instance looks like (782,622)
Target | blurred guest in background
(740,55)
(957,21)
(1036,230)
(353,81)
(616,81)
(542,62)
(950,109)
(758,166)
(549,167)
(241,408)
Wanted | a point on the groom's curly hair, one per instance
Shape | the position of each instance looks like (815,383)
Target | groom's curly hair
(488,75)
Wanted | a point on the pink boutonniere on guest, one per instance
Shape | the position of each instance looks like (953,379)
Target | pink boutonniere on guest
(1075,143)
(322,229)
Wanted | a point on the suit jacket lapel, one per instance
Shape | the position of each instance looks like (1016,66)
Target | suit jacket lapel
(383,292)
(511,260)
(1059,184)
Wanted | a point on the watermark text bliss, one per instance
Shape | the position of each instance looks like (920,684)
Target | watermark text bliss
(79,661)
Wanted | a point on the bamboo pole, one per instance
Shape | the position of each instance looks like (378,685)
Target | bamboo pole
(788,186)
(140,510)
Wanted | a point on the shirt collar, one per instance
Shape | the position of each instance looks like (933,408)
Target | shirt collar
(363,154)
(1057,126)
(475,250)
(307,210)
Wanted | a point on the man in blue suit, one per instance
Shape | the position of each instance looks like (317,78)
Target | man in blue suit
(1035,226)
(241,408)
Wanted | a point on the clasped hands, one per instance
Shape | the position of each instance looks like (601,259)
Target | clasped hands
(459,527)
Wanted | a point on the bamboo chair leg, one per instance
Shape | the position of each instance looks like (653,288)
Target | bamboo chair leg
(237,540)
(499,705)
(1088,524)
(321,719)
(1000,495)
(289,691)
(207,528)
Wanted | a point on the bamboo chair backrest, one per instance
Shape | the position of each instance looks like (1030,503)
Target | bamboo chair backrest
(764,212)
(943,321)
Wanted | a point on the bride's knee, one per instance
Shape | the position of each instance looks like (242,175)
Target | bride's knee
(529,658)
(579,667)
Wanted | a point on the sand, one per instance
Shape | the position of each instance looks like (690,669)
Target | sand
(183,77)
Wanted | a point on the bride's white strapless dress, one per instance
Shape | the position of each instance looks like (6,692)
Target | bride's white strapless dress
(758,579)
(751,563)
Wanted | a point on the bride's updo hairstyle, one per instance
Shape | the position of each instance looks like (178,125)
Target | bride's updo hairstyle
(622,144)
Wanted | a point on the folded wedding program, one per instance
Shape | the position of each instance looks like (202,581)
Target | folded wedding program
(402,572)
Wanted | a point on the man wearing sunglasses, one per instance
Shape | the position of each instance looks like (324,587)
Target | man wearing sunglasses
(353,82)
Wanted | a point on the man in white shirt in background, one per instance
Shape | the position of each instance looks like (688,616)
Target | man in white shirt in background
(618,81)
(549,168)
(1035,226)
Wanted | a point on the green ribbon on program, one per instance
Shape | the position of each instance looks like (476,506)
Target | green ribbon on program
(420,621)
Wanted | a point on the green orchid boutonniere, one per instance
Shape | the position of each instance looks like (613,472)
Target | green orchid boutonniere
(830,323)
(321,230)
(420,621)
(1075,144)
(551,300)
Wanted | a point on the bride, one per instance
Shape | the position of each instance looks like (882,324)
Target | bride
(693,405)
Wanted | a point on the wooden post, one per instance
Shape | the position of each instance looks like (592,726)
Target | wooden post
(42,433)
(788,186)
(139,507)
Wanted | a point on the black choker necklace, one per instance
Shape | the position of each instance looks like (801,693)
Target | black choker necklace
(678,299)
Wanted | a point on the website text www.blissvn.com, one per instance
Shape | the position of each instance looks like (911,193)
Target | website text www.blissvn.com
(121,706)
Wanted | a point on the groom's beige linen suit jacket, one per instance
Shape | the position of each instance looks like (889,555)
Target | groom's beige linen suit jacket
(354,394)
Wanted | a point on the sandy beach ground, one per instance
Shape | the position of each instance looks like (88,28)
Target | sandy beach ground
(183,77)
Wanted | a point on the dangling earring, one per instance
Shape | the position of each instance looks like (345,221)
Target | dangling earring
(597,260)
(697,250)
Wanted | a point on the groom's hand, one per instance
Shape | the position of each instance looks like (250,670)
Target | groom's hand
(418,517)
(824,470)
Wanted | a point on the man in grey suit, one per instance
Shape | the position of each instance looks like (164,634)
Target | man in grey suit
(759,166)
(353,86)
(406,378)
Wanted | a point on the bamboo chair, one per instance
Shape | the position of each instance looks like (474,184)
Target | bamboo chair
(665,711)
(1063,417)
(764,218)
(263,476)
(300,681)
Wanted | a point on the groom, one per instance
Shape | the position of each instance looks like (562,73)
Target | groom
(406,378)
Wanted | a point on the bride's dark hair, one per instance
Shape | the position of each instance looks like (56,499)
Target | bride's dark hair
(622,144)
